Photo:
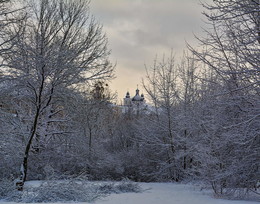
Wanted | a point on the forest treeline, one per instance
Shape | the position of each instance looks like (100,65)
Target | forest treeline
(58,118)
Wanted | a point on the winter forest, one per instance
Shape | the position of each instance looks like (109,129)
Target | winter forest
(59,118)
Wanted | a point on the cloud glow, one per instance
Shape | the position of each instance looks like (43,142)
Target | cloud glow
(138,30)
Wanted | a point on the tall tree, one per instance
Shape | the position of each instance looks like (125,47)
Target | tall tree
(231,51)
(61,47)
(162,89)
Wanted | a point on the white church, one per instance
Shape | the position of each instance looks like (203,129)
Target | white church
(137,100)
(134,104)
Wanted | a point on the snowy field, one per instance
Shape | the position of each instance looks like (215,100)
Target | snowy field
(165,193)
(168,193)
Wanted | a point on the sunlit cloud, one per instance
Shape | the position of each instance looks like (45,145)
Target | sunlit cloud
(138,30)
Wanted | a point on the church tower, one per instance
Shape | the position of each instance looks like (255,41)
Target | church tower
(127,99)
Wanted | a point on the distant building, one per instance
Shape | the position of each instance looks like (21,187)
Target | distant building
(137,100)
(134,105)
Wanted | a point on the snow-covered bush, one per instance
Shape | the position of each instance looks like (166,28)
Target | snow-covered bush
(66,190)
(6,186)
(124,186)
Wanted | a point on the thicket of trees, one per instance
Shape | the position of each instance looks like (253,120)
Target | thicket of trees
(57,116)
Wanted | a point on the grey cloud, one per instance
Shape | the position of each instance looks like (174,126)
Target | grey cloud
(140,29)
(151,23)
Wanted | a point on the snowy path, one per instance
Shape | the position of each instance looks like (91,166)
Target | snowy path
(167,193)
(163,193)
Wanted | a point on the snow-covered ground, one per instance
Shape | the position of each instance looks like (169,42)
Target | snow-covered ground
(165,193)
(168,193)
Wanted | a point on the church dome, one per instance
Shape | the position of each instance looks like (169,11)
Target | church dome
(137,97)
(127,95)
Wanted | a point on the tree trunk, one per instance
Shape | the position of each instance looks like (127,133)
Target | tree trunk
(24,166)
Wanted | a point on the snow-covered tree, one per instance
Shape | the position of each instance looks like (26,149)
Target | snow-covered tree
(162,89)
(11,129)
(231,51)
(60,48)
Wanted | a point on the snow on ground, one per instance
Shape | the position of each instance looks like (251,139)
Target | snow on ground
(168,193)
(163,193)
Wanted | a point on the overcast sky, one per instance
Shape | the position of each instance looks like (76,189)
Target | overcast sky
(138,30)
